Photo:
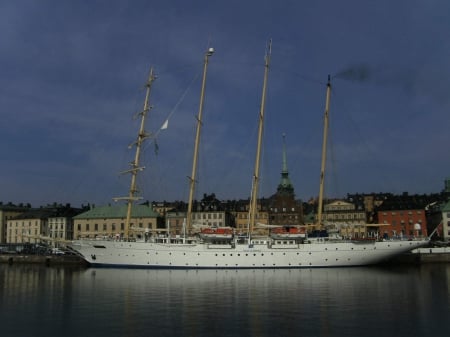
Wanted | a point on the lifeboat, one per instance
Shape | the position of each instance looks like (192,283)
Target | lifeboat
(287,232)
(216,234)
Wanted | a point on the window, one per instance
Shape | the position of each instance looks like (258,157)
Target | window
(95,227)
(104,227)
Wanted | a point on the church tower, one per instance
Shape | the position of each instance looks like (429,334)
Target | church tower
(285,187)
(284,209)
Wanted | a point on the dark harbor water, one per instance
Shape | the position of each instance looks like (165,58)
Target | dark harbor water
(377,301)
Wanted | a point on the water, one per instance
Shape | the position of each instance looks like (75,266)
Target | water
(353,302)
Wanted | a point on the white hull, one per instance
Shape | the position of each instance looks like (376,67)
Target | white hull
(240,256)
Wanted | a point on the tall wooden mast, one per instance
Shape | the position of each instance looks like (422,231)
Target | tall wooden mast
(255,182)
(192,178)
(135,168)
(324,153)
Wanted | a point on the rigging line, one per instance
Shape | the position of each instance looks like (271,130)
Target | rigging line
(179,101)
(174,109)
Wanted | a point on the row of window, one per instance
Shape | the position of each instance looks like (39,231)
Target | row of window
(345,216)
(23,223)
(258,216)
(284,209)
(207,216)
(402,222)
(401,213)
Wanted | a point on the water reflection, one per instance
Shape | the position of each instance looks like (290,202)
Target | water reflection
(310,302)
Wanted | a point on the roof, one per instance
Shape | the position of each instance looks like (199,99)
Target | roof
(118,212)
(40,213)
(47,212)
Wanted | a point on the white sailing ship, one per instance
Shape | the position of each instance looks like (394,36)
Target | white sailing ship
(221,249)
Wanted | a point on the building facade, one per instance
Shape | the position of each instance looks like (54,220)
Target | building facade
(403,222)
(109,222)
(28,227)
(346,218)
(446,221)
(8,212)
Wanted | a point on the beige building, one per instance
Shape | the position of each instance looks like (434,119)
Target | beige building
(210,218)
(345,218)
(8,212)
(109,222)
(52,224)
(243,220)
(31,227)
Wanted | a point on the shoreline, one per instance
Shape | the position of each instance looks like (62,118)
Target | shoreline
(48,260)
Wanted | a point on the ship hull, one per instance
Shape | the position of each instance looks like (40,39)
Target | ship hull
(239,256)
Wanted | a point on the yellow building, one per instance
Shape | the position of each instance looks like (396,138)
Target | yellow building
(109,222)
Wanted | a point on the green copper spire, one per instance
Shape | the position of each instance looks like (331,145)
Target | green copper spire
(285,186)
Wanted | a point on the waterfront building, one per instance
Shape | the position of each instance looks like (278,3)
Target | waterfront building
(446,221)
(31,226)
(241,215)
(403,215)
(210,218)
(346,218)
(109,221)
(7,212)
(175,222)
(60,224)
(51,224)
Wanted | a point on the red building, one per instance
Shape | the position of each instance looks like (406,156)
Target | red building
(403,222)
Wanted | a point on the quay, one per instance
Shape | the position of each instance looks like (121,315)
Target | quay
(423,256)
(48,260)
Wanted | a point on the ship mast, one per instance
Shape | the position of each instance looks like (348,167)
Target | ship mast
(135,168)
(208,53)
(324,154)
(255,182)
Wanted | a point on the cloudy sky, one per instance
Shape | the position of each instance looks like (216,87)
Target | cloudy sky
(72,75)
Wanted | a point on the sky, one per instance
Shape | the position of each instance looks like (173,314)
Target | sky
(73,74)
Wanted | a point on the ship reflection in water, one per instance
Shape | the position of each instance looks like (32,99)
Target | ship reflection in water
(42,301)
